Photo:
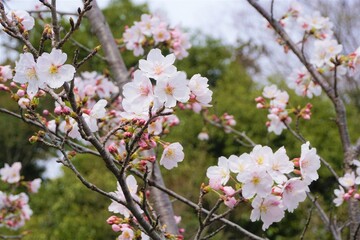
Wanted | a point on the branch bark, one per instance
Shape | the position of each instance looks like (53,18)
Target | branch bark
(162,203)
(341,121)
(102,30)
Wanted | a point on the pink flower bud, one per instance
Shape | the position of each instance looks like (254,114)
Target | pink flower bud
(128,134)
(41,93)
(46,112)
(347,196)
(23,85)
(112,220)
(20,93)
(66,110)
(3,87)
(116,228)
(58,110)
(12,84)
(357,196)
(113,149)
(351,191)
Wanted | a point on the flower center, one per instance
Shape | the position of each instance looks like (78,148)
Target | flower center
(31,73)
(158,69)
(169,89)
(255,180)
(53,69)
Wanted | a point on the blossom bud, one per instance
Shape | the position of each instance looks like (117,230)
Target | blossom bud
(351,191)
(3,87)
(20,93)
(357,196)
(116,228)
(45,112)
(58,110)
(113,149)
(66,110)
(24,103)
(33,139)
(12,84)
(347,196)
(127,134)
(113,220)
(41,93)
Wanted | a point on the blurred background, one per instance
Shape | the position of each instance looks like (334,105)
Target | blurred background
(233,49)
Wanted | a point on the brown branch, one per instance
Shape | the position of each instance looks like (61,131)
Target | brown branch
(196,207)
(102,30)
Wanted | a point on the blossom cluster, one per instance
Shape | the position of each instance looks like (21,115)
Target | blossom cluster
(14,208)
(319,45)
(265,180)
(49,70)
(153,31)
(349,181)
(278,113)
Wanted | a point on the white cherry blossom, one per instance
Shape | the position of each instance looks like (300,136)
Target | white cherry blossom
(116,207)
(309,163)
(220,172)
(348,180)
(172,155)
(169,90)
(157,66)
(339,193)
(11,174)
(27,72)
(52,70)
(294,192)
(269,210)
(257,182)
(21,17)
(5,73)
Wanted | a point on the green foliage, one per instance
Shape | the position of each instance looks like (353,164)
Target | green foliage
(65,209)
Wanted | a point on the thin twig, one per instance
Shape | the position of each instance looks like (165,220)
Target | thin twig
(307,221)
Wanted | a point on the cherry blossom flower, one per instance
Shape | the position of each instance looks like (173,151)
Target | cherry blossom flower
(301,81)
(127,233)
(200,92)
(348,180)
(241,165)
(172,89)
(270,91)
(172,155)
(161,34)
(324,51)
(278,165)
(27,72)
(24,103)
(34,185)
(220,172)
(139,92)
(157,66)
(5,73)
(203,136)
(277,122)
(11,174)
(22,18)
(309,163)
(339,193)
(294,192)
(116,207)
(149,24)
(257,182)
(269,210)
(52,70)
(261,156)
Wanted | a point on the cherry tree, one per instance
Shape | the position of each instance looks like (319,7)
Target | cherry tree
(123,119)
